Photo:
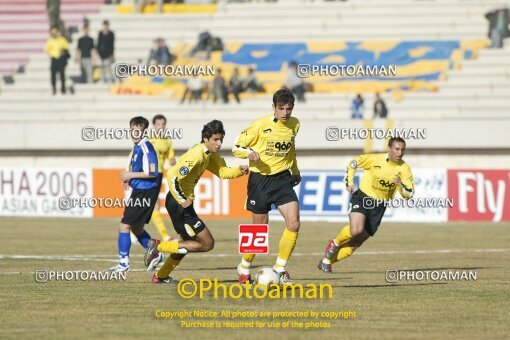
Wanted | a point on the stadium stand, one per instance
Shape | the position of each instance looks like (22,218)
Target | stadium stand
(446,73)
(24,27)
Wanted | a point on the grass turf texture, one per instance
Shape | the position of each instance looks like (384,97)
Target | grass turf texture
(408,309)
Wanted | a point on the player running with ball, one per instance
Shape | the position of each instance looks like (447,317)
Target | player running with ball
(269,145)
(384,175)
(182,179)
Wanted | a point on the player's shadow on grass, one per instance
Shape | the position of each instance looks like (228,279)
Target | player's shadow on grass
(392,285)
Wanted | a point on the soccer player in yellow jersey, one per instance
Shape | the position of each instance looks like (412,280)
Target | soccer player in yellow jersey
(269,145)
(384,175)
(165,151)
(182,179)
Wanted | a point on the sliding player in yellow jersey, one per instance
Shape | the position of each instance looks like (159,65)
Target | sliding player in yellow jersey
(269,145)
(182,179)
(165,152)
(384,175)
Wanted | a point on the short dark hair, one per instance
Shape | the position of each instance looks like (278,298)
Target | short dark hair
(158,117)
(283,96)
(106,22)
(211,128)
(396,139)
(139,120)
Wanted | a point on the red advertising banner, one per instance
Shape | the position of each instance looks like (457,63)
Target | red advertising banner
(479,195)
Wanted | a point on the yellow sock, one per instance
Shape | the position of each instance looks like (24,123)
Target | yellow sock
(247,260)
(344,252)
(344,236)
(169,247)
(167,267)
(246,264)
(287,244)
(157,219)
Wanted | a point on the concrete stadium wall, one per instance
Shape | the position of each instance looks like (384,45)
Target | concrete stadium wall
(48,133)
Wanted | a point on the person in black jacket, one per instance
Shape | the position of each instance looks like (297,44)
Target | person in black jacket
(84,54)
(160,53)
(105,49)
(498,26)
(380,110)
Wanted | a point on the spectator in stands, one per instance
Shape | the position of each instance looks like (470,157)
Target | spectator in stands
(160,54)
(213,44)
(219,88)
(58,50)
(105,48)
(295,83)
(207,43)
(251,83)
(84,55)
(380,110)
(203,38)
(236,84)
(498,25)
(357,107)
(193,89)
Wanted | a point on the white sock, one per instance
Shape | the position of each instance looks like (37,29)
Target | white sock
(244,267)
(279,267)
(124,261)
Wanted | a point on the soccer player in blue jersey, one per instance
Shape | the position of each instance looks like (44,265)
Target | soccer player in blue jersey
(142,177)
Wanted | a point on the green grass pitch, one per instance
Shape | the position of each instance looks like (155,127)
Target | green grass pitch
(126,309)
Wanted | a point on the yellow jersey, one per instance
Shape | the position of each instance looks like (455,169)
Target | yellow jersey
(164,149)
(184,175)
(378,179)
(274,141)
(55,46)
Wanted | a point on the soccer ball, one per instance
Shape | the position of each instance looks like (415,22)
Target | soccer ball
(265,278)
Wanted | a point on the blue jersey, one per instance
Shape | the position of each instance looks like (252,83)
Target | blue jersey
(144,159)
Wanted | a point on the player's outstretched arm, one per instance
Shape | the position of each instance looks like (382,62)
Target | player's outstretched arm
(218,167)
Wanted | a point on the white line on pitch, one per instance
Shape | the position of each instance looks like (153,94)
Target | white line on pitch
(113,258)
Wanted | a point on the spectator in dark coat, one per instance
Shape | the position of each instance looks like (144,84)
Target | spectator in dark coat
(105,49)
(498,26)
(380,110)
(160,54)
(251,83)
(236,84)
